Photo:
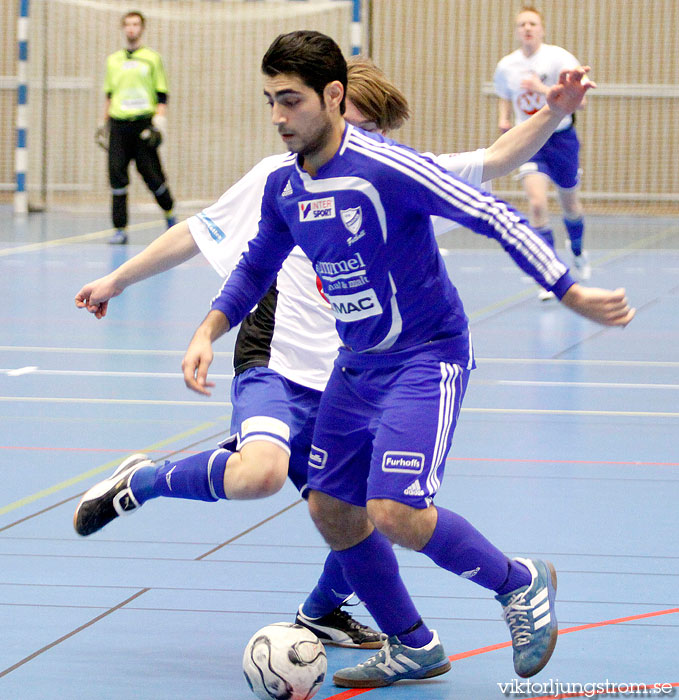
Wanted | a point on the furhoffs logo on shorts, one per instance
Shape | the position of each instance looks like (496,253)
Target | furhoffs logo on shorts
(317,457)
(403,462)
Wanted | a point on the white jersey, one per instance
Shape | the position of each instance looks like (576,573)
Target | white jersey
(303,344)
(547,62)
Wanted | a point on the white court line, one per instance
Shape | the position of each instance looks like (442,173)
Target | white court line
(141,402)
(178,375)
(229,353)
(19,371)
(98,351)
(148,402)
(98,373)
(559,412)
(549,361)
(588,385)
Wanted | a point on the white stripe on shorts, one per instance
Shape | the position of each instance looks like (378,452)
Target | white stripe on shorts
(449,374)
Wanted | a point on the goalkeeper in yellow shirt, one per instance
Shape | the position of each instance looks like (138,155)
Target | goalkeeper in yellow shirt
(136,102)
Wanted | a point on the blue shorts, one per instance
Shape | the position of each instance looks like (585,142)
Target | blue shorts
(557,159)
(267,406)
(385,433)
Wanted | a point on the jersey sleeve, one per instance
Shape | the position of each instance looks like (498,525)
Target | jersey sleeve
(223,230)
(108,84)
(433,191)
(259,265)
(160,78)
(500,83)
(569,61)
(467,166)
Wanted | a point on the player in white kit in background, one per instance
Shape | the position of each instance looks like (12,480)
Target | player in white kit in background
(522,80)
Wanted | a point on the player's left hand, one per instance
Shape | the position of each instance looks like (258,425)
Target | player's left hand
(568,94)
(196,362)
(605,306)
(533,83)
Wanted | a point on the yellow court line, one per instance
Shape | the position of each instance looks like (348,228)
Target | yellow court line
(104,467)
(80,238)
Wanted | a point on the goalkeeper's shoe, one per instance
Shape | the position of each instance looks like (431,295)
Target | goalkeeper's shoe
(109,498)
(119,237)
(340,629)
(530,616)
(395,662)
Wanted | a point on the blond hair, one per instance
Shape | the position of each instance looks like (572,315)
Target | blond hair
(532,8)
(374,95)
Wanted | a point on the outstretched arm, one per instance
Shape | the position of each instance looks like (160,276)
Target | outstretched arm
(515,147)
(174,247)
(610,308)
(199,354)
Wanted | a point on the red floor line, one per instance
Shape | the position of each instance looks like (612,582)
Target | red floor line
(653,687)
(345,695)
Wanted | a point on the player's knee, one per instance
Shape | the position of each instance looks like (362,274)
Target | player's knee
(267,467)
(572,209)
(539,211)
(387,517)
(341,524)
(402,524)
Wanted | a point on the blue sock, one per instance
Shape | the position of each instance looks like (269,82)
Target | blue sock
(576,229)
(458,546)
(372,572)
(517,577)
(199,478)
(331,590)
(547,235)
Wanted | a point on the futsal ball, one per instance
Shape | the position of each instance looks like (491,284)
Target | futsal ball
(284,661)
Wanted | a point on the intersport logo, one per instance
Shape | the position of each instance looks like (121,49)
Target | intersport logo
(317,209)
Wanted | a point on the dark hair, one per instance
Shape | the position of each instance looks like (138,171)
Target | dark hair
(314,57)
(134,13)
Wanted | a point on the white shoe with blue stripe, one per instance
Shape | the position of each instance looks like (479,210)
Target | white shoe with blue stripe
(530,616)
(395,662)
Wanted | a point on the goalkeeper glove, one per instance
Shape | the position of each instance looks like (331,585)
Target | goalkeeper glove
(154,134)
(101,136)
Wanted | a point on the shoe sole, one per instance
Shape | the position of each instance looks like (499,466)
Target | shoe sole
(430,673)
(350,645)
(328,641)
(123,465)
(553,635)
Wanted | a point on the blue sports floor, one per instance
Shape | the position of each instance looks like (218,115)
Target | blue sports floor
(567,449)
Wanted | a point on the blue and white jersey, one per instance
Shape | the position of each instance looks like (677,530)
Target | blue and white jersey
(364,222)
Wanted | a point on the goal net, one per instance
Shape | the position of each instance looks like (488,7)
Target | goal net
(218,123)
(441,53)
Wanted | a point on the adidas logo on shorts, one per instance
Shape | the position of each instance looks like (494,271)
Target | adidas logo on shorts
(414,489)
